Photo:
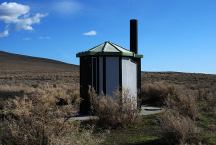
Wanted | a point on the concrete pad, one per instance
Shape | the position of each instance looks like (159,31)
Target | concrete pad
(83,118)
(149,110)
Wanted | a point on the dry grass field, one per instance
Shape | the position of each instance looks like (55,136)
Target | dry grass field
(188,98)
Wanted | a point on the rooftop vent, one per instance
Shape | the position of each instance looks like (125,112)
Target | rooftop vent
(133,36)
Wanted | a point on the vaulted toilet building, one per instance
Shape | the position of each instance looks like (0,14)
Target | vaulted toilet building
(109,67)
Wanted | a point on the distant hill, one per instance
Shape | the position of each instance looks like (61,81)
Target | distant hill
(21,69)
(10,62)
(15,62)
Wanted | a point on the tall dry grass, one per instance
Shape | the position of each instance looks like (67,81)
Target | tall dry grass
(178,122)
(155,93)
(207,100)
(177,129)
(116,111)
(183,102)
(39,119)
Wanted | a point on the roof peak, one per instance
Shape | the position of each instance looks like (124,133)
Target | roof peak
(109,48)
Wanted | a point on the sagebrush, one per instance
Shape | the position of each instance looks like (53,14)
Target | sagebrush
(39,119)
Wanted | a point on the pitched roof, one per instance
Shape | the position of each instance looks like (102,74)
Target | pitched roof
(109,49)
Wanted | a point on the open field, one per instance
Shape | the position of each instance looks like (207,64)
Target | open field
(22,76)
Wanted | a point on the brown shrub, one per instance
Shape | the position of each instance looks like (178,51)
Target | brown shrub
(178,122)
(39,121)
(155,93)
(183,102)
(113,111)
(172,97)
(178,130)
(208,100)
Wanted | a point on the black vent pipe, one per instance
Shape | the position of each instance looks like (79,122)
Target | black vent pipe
(133,36)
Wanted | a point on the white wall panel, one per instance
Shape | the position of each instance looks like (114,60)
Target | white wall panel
(112,75)
(129,77)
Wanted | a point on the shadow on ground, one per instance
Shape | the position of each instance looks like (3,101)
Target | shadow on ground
(152,142)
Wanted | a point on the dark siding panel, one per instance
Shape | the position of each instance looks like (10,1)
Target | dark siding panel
(139,81)
(104,75)
(120,79)
(85,82)
(98,75)
(94,72)
(120,74)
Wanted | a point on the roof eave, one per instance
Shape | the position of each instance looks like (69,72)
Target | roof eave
(138,56)
(88,53)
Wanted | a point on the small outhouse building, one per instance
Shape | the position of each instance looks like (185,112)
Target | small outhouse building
(109,67)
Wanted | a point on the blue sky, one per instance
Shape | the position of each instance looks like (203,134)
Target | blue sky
(174,35)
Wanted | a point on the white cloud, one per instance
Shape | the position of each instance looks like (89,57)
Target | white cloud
(44,37)
(90,33)
(26,24)
(5,33)
(66,7)
(12,13)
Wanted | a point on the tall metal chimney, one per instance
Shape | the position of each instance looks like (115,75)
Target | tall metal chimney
(133,36)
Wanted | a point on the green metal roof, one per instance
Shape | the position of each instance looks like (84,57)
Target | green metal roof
(108,49)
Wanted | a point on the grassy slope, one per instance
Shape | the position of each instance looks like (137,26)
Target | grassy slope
(21,63)
(25,70)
